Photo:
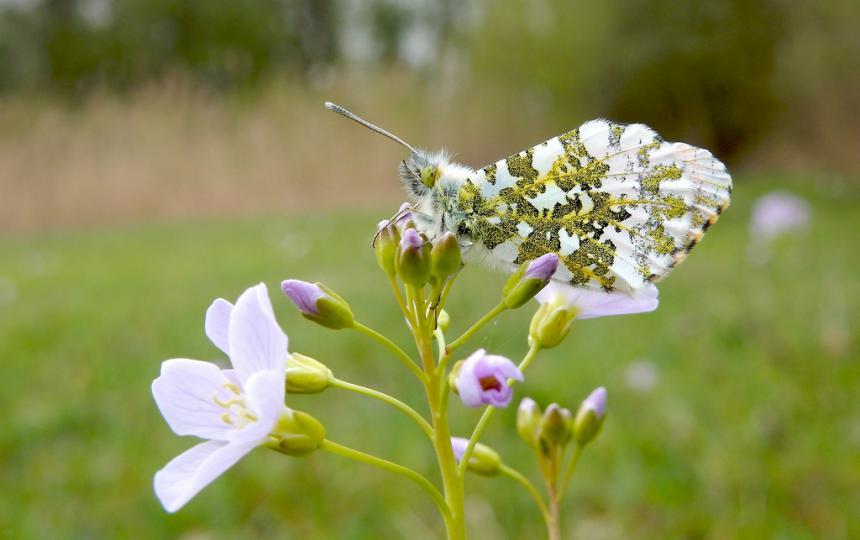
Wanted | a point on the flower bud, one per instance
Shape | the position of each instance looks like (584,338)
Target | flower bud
(318,303)
(445,256)
(484,460)
(306,375)
(297,433)
(555,426)
(589,417)
(551,322)
(404,217)
(385,245)
(528,420)
(412,259)
(528,280)
(443,320)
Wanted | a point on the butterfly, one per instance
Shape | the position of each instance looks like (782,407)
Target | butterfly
(620,206)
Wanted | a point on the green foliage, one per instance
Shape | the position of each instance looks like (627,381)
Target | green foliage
(751,430)
(697,72)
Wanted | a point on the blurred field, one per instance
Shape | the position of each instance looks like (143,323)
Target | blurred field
(752,429)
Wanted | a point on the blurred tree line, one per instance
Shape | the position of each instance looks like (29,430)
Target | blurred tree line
(722,73)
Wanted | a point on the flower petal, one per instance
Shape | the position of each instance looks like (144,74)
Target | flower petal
(468,385)
(504,367)
(264,391)
(189,472)
(593,303)
(257,343)
(218,324)
(185,394)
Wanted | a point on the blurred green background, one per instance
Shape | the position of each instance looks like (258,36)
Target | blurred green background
(156,154)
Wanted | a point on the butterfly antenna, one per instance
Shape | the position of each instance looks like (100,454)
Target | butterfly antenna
(340,110)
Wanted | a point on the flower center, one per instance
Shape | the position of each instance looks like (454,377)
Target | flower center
(490,383)
(236,411)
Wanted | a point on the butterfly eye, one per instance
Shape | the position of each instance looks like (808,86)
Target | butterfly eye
(429,175)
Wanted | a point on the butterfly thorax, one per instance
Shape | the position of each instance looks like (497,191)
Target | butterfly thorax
(434,182)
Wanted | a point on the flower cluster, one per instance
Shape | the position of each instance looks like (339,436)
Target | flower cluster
(242,408)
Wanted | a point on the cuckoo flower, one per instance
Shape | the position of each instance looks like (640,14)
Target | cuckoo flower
(234,409)
(483,380)
(589,303)
(776,213)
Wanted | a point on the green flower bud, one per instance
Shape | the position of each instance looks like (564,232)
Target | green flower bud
(306,375)
(385,245)
(589,417)
(528,420)
(551,322)
(445,256)
(297,433)
(484,460)
(528,280)
(412,259)
(318,303)
(443,320)
(555,426)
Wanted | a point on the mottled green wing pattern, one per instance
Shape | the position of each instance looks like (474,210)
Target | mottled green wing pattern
(619,205)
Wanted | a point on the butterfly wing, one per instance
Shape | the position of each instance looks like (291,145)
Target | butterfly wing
(619,205)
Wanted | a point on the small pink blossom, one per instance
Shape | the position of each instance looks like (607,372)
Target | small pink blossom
(483,380)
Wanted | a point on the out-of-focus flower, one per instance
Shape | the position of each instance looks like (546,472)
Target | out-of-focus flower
(774,214)
(589,417)
(641,375)
(778,212)
(484,460)
(482,379)
(589,303)
(235,409)
(528,280)
(318,303)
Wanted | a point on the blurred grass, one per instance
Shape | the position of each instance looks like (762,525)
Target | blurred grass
(752,430)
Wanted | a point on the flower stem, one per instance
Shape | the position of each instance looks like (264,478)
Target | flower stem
(523,481)
(391,346)
(382,396)
(489,411)
(351,453)
(571,468)
(490,315)
(553,525)
(452,482)
(400,302)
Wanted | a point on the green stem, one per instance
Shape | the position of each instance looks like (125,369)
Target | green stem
(489,411)
(391,346)
(447,289)
(523,481)
(382,396)
(490,315)
(553,525)
(571,468)
(351,453)
(451,480)
(399,297)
